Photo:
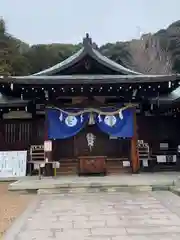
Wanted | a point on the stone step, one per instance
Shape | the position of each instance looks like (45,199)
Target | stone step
(175,190)
(91,189)
(67,167)
(164,168)
(66,173)
(116,167)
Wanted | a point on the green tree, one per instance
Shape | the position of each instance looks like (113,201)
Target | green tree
(5,66)
(152,53)
(44,56)
(12,60)
(118,52)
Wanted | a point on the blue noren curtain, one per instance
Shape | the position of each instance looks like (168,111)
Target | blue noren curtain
(119,125)
(61,125)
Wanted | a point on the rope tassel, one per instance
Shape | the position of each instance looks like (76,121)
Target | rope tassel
(61,117)
(81,118)
(99,118)
(120,114)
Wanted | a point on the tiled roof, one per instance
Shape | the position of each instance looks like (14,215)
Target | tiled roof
(87,49)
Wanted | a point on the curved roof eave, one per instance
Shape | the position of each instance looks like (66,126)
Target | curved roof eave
(86,79)
(87,49)
(64,64)
(114,65)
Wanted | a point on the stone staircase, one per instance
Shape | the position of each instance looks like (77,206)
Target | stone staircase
(115,166)
(68,167)
(165,168)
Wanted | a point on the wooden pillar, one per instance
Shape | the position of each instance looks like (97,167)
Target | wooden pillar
(134,143)
(47,154)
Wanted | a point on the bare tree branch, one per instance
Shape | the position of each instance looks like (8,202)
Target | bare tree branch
(148,56)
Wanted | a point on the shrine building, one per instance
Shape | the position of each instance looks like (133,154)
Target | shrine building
(91,115)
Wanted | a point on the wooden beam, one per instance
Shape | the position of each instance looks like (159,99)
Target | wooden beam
(47,155)
(134,143)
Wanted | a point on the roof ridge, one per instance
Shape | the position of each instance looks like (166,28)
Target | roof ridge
(89,49)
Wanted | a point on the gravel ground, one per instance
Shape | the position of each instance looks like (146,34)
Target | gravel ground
(11,206)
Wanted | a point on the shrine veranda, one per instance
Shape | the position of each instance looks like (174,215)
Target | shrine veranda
(90,115)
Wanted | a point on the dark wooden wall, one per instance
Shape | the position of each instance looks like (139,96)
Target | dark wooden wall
(159,129)
(20,134)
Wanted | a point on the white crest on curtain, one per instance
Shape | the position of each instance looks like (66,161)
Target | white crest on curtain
(71,121)
(90,140)
(110,120)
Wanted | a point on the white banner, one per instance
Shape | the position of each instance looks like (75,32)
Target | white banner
(145,163)
(126,164)
(13,164)
(48,146)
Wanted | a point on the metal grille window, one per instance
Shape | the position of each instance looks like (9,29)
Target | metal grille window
(10,132)
(18,132)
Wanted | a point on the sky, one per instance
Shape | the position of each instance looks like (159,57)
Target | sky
(67,21)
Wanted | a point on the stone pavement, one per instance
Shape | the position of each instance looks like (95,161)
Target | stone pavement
(100,216)
(154,180)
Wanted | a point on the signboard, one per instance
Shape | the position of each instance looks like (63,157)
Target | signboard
(164,146)
(112,137)
(13,164)
(56,165)
(145,163)
(126,164)
(48,146)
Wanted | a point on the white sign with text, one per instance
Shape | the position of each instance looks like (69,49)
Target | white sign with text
(13,164)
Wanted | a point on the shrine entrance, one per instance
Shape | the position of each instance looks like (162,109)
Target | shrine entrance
(93,152)
(91,141)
